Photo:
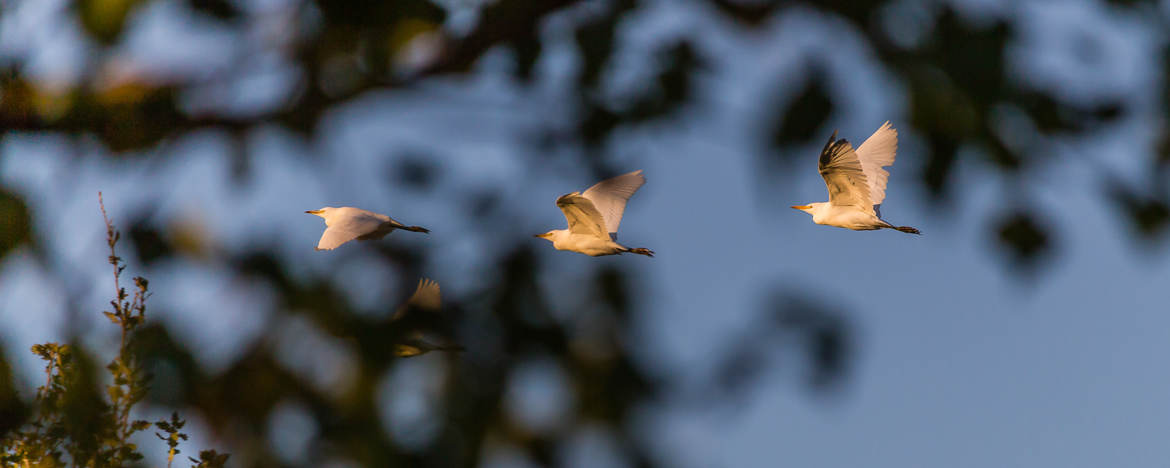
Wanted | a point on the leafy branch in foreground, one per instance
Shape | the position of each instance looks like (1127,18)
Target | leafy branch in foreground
(75,424)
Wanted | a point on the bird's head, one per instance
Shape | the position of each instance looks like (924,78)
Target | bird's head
(809,208)
(321,212)
(548,236)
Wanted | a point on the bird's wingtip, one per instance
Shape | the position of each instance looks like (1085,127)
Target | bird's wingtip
(564,199)
(829,144)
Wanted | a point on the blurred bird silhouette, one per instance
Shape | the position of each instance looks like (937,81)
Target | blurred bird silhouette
(421,327)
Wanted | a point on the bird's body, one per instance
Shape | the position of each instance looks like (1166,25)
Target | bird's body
(845,216)
(347,223)
(422,329)
(593,246)
(594,217)
(857,182)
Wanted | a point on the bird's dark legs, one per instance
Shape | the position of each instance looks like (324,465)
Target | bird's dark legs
(641,251)
(905,229)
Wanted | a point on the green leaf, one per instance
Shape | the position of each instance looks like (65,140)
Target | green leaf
(104,20)
(15,222)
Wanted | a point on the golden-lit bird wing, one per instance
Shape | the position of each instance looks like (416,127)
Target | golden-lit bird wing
(876,152)
(582,215)
(426,296)
(844,175)
(348,227)
(610,196)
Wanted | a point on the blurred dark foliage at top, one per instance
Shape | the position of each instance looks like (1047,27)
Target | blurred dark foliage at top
(956,82)
(956,79)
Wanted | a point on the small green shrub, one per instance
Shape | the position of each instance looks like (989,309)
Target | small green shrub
(72,422)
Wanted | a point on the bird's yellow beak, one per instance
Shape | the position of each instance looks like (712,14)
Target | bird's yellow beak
(801,207)
(316,212)
(539,235)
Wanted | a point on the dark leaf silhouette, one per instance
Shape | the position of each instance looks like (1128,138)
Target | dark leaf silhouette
(806,115)
(15,222)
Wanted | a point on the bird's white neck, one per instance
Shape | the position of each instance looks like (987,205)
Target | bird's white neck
(819,211)
(560,235)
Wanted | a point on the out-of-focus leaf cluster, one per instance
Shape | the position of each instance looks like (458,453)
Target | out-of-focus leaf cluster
(819,333)
(15,222)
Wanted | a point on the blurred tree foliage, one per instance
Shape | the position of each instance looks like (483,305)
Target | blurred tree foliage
(957,83)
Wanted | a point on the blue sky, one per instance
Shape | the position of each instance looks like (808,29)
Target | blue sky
(958,361)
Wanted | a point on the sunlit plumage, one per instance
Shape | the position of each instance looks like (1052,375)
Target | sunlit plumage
(594,217)
(420,315)
(348,223)
(857,182)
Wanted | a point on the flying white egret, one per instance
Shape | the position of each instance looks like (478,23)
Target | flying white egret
(594,217)
(419,314)
(348,223)
(856,182)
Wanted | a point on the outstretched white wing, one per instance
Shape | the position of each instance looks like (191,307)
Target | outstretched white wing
(347,228)
(876,152)
(844,175)
(582,215)
(610,196)
(426,296)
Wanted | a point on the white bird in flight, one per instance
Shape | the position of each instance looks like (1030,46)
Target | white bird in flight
(419,313)
(856,182)
(594,217)
(348,223)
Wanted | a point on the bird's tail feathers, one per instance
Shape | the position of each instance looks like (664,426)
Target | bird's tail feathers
(641,251)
